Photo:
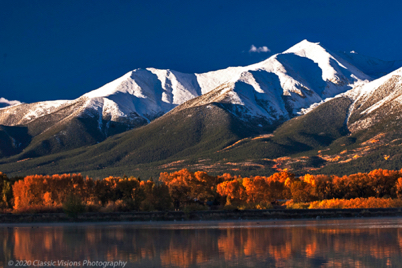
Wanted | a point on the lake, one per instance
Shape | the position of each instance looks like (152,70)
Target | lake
(363,242)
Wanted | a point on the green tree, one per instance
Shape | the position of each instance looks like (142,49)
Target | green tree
(6,191)
(73,206)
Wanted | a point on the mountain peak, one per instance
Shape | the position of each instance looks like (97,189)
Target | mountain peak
(304,45)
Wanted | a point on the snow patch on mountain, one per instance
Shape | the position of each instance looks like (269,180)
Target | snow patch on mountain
(43,108)
(366,90)
(24,113)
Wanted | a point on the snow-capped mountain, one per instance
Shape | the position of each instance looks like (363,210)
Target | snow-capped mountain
(268,92)
(371,103)
(275,88)
(279,87)
(375,102)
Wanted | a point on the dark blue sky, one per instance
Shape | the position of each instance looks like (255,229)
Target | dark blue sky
(63,49)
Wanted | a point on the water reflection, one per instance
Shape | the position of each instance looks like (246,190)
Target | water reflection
(341,243)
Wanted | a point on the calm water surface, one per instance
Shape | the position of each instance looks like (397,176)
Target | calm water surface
(369,242)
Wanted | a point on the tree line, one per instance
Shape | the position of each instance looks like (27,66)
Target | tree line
(185,189)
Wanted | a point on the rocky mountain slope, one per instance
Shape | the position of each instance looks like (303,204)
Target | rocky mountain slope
(376,102)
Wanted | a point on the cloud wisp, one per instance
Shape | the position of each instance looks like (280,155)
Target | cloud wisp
(4,102)
(263,49)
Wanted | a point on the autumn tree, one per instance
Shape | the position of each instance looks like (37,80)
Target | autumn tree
(383,182)
(256,192)
(186,187)
(322,186)
(282,182)
(29,191)
(261,191)
(125,190)
(157,197)
(257,189)
(39,190)
(233,190)
(398,188)
(301,191)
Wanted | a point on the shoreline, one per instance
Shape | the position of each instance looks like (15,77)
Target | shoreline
(209,215)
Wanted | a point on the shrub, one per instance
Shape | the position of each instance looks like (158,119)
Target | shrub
(371,202)
(73,206)
(296,205)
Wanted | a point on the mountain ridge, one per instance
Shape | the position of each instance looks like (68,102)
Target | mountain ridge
(260,97)
(205,134)
(150,92)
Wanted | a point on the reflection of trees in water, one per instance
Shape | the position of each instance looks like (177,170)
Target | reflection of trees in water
(277,247)
(6,241)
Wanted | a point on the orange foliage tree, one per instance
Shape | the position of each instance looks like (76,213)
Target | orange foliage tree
(233,190)
(301,191)
(52,191)
(47,190)
(127,191)
(256,192)
(186,187)
(371,202)
(377,183)
(398,188)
